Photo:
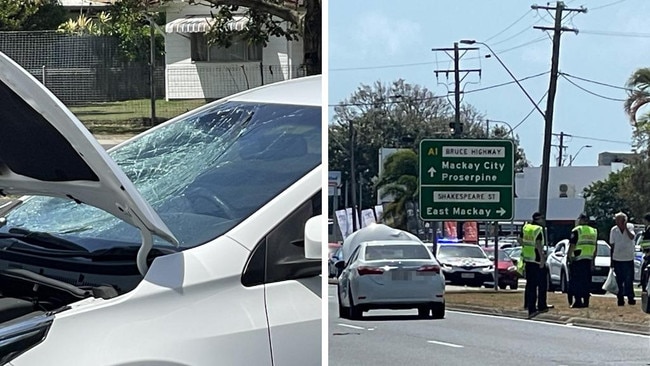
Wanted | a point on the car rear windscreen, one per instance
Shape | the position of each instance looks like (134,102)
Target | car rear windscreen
(381,252)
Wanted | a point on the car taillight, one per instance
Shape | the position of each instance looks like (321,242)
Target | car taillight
(430,268)
(364,270)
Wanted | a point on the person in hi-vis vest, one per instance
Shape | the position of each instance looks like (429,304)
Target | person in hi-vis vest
(581,257)
(534,258)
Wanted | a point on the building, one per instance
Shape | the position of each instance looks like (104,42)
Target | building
(196,70)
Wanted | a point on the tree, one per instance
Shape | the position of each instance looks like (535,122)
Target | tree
(396,115)
(399,181)
(603,199)
(30,15)
(128,21)
(638,97)
(280,18)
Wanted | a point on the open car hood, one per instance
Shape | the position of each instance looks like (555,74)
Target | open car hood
(45,150)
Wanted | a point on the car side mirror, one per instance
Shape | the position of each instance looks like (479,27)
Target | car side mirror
(313,239)
(491,257)
(340,264)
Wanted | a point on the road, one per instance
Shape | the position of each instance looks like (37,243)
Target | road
(399,338)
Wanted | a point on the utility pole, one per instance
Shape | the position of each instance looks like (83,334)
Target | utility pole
(457,126)
(561,147)
(550,101)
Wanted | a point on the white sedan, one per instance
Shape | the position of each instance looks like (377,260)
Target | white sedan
(391,274)
(558,273)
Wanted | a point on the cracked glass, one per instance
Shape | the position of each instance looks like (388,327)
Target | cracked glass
(203,174)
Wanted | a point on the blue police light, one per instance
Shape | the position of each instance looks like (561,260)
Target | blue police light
(449,241)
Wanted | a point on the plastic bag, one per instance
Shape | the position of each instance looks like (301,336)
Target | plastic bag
(610,284)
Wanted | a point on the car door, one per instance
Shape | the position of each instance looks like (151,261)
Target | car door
(346,277)
(292,288)
(555,261)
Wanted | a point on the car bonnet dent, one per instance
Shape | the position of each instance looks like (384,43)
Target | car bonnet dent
(45,150)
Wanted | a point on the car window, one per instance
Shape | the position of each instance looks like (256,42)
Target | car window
(354,255)
(460,251)
(203,174)
(382,252)
(559,248)
(603,250)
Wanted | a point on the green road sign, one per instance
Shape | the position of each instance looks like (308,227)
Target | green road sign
(468,180)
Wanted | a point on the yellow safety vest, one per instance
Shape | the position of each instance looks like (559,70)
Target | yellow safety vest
(531,233)
(587,238)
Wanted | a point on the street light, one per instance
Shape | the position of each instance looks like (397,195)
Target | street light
(487,121)
(471,41)
(576,155)
(546,150)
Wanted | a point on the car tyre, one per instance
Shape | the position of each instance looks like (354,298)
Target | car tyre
(549,284)
(503,286)
(424,311)
(514,285)
(438,310)
(344,311)
(355,312)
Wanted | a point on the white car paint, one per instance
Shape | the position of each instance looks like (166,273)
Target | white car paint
(399,283)
(374,232)
(191,308)
(558,267)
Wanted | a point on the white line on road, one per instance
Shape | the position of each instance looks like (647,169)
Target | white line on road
(351,326)
(446,344)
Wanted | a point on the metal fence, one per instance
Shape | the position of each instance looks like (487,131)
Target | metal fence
(87,74)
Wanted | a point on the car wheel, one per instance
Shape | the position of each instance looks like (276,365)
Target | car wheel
(424,311)
(564,285)
(354,310)
(503,286)
(344,312)
(514,285)
(438,310)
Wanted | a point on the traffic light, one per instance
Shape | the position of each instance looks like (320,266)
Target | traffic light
(452,126)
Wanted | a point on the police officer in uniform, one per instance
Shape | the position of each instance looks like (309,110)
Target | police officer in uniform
(534,257)
(581,257)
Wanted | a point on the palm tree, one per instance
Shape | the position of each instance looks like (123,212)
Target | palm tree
(638,96)
(399,183)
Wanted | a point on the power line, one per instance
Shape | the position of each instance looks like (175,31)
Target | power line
(531,111)
(607,5)
(435,96)
(390,66)
(515,35)
(596,82)
(616,34)
(601,140)
(506,83)
(590,92)
(510,26)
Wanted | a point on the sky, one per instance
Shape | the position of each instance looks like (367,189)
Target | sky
(392,40)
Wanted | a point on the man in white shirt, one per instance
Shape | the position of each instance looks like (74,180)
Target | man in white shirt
(621,239)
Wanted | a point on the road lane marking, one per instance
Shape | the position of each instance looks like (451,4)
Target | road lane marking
(350,326)
(446,344)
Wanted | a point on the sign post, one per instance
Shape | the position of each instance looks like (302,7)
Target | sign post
(466,180)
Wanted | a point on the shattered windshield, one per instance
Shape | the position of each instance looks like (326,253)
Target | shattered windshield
(203,174)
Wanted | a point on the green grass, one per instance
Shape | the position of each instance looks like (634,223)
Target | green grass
(130,116)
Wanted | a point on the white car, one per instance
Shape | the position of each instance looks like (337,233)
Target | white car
(558,273)
(197,242)
(391,274)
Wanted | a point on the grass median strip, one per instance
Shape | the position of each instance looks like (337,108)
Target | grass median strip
(600,308)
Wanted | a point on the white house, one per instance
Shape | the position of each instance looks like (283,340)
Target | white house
(195,70)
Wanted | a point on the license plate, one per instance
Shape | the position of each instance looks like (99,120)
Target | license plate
(598,278)
(400,276)
(467,275)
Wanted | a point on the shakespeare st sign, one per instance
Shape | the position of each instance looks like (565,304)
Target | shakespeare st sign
(466,180)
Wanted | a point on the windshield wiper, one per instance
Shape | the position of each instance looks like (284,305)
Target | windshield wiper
(43,239)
